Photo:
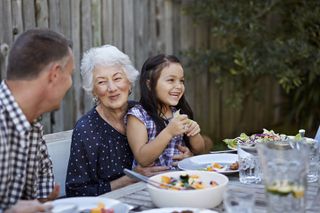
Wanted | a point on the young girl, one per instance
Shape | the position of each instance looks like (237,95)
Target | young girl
(162,122)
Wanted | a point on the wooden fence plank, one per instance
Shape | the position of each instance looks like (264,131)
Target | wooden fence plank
(118,24)
(175,29)
(168,28)
(129,36)
(141,11)
(76,46)
(128,28)
(17,20)
(96,22)
(107,22)
(29,15)
(54,15)
(87,42)
(42,14)
(153,26)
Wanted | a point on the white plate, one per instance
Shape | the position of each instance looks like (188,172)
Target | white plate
(201,162)
(169,210)
(91,202)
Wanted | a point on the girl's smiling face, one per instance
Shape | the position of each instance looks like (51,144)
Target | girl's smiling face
(170,85)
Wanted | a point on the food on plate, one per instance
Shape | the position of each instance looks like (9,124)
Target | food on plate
(234,166)
(218,167)
(251,141)
(185,182)
(215,167)
(99,209)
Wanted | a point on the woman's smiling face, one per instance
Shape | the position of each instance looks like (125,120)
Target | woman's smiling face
(111,86)
(170,85)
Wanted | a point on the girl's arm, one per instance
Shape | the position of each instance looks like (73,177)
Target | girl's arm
(196,140)
(146,153)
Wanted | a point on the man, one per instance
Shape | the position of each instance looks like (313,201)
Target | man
(39,73)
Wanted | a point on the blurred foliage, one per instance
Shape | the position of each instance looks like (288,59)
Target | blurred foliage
(254,39)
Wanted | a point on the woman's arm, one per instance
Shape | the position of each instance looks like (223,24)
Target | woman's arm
(121,182)
(146,153)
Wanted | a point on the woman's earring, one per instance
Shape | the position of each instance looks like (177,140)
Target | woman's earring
(95,100)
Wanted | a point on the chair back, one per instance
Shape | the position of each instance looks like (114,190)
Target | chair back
(59,151)
(317,137)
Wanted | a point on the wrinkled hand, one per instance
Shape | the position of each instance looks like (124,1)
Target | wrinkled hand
(150,170)
(29,206)
(193,128)
(178,125)
(185,153)
(53,195)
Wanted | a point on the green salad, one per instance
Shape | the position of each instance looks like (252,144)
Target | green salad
(252,140)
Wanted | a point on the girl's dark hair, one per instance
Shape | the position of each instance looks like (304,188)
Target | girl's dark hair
(151,71)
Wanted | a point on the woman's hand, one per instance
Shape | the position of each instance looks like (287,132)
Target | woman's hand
(185,153)
(150,170)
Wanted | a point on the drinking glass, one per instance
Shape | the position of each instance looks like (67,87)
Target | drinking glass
(238,200)
(249,165)
(284,167)
(313,172)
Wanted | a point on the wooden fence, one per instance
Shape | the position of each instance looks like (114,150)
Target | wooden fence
(140,28)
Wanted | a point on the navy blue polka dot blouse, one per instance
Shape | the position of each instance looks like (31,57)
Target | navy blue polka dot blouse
(98,155)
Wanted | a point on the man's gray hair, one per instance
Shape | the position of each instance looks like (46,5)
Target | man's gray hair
(105,56)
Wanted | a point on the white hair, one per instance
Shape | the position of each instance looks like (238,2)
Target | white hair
(105,56)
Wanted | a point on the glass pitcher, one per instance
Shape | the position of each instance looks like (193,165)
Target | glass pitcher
(284,167)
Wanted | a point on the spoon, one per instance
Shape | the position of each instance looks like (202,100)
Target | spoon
(145,179)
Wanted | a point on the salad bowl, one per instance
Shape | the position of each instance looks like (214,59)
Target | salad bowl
(207,196)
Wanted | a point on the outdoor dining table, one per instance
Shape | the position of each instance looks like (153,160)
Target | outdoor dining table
(138,196)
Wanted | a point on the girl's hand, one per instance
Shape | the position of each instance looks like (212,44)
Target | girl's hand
(193,128)
(178,125)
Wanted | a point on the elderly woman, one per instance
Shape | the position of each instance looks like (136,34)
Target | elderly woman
(99,149)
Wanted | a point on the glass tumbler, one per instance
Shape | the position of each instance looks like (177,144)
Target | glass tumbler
(249,165)
(238,200)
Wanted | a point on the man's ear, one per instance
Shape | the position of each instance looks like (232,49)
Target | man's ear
(54,72)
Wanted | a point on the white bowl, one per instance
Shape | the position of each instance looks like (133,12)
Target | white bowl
(209,197)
